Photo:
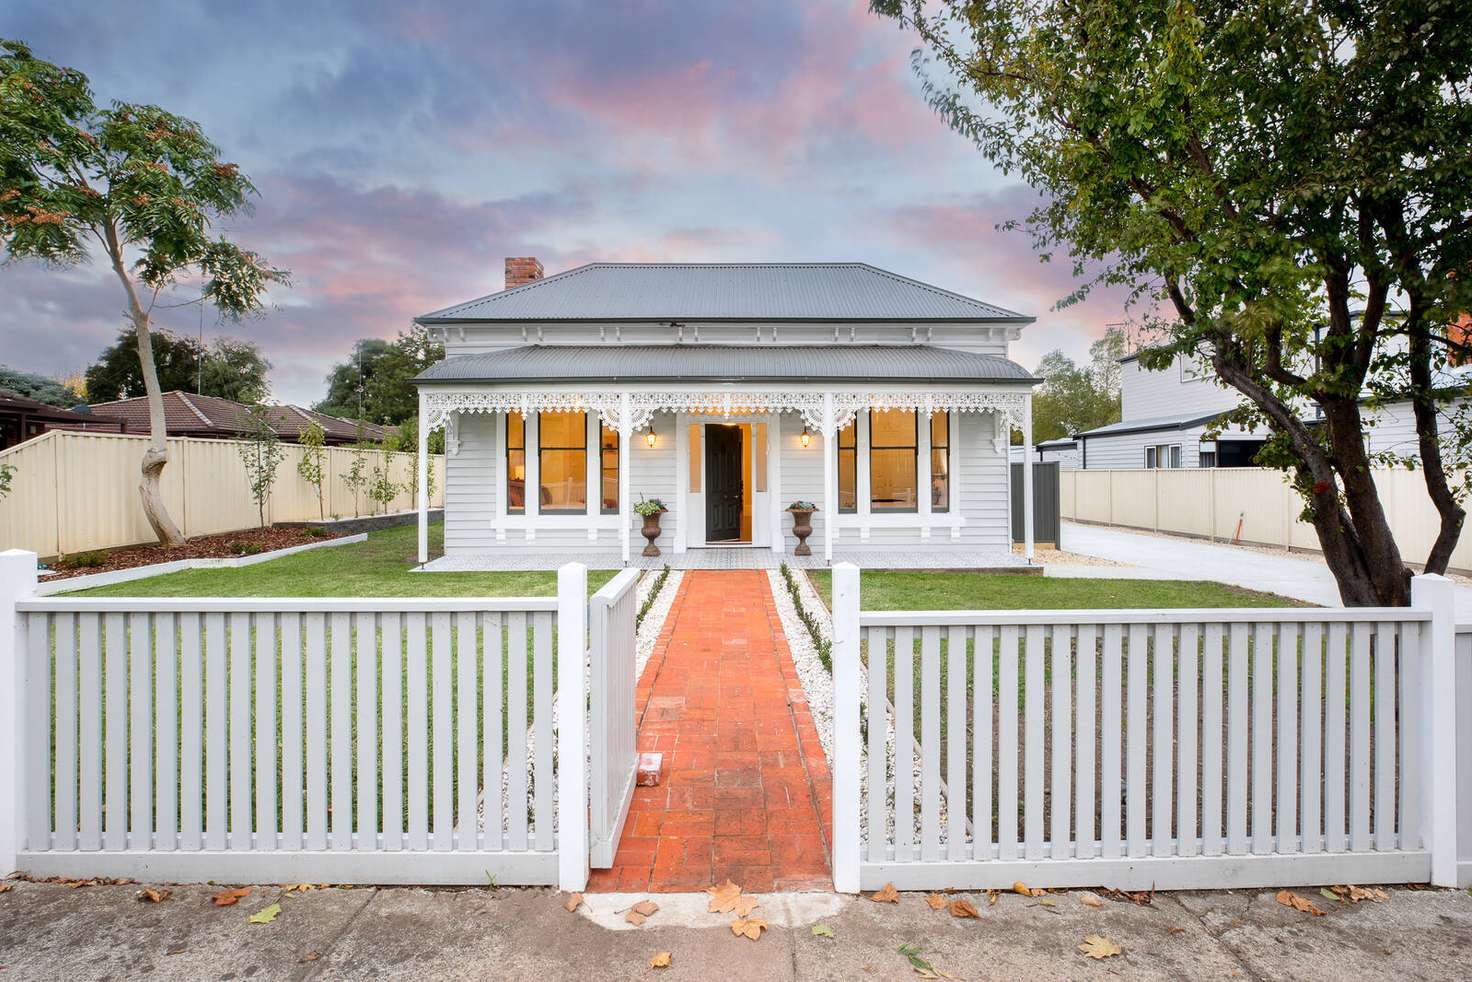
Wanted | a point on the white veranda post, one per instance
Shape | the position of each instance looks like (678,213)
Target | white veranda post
(1027,477)
(830,477)
(625,434)
(423,464)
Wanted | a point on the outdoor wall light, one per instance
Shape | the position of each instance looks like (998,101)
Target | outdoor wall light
(806,438)
(649,436)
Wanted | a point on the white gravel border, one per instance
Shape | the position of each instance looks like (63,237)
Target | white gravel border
(818,684)
(644,640)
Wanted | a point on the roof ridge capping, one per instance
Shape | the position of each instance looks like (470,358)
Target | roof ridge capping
(480,308)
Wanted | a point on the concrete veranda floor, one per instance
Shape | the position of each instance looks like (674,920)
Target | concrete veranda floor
(51,931)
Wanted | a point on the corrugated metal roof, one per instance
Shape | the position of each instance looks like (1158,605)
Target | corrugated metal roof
(1151,423)
(724,292)
(726,363)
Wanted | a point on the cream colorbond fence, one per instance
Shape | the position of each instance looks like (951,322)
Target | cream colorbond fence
(1211,502)
(1179,749)
(78,491)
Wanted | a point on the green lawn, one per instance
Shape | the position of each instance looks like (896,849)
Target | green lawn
(896,590)
(905,590)
(379,567)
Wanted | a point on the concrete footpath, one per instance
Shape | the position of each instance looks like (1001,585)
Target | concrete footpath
(54,931)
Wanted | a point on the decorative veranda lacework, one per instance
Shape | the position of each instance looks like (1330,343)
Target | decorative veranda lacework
(1010,407)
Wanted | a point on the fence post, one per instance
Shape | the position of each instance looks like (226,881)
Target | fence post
(846,736)
(1439,724)
(17,580)
(572,778)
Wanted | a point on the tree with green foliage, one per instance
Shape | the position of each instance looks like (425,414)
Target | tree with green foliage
(141,186)
(7,475)
(375,382)
(382,488)
(38,387)
(1273,179)
(356,477)
(261,453)
(1070,400)
(313,464)
(230,368)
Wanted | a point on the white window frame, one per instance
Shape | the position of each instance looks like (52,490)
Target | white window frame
(865,520)
(591,519)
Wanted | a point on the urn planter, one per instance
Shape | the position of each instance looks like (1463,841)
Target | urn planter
(651,532)
(802,527)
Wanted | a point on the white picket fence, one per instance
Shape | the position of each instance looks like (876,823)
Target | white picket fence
(373,740)
(612,725)
(1178,749)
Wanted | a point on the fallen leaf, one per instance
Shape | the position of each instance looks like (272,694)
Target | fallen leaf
(177,949)
(6,887)
(723,898)
(660,960)
(992,896)
(1356,894)
(1021,888)
(748,927)
(1089,900)
(922,967)
(887,895)
(1047,902)
(1328,894)
(300,887)
(153,895)
(641,912)
(265,915)
(936,901)
(229,898)
(1290,899)
(311,956)
(1175,929)
(573,903)
(822,931)
(1098,946)
(961,907)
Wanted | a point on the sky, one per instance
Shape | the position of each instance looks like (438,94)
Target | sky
(402,150)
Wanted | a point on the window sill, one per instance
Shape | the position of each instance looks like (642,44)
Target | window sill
(563,521)
(903,520)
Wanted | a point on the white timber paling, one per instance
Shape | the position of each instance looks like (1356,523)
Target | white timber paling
(1240,748)
(386,772)
(612,727)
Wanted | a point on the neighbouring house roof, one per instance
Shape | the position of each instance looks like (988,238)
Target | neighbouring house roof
(707,362)
(1153,423)
(1062,443)
(725,292)
(189,414)
(14,402)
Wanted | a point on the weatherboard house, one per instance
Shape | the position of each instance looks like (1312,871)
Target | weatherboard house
(730,393)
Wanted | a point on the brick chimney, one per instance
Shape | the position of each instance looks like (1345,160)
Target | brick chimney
(522,269)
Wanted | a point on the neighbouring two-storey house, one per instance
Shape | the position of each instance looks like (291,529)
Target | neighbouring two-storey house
(730,392)
(1169,418)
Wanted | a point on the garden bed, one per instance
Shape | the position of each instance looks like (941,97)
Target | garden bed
(229,545)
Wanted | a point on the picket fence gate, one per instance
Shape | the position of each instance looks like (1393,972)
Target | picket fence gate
(363,740)
(1172,749)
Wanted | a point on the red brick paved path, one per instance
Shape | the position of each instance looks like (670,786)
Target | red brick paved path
(744,792)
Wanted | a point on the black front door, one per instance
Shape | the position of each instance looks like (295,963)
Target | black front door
(723,483)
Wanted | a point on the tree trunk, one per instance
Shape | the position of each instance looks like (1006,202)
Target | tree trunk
(157,455)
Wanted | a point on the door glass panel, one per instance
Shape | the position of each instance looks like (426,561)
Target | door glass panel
(760,438)
(697,453)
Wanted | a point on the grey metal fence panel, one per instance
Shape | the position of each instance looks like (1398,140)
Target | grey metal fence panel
(1045,502)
